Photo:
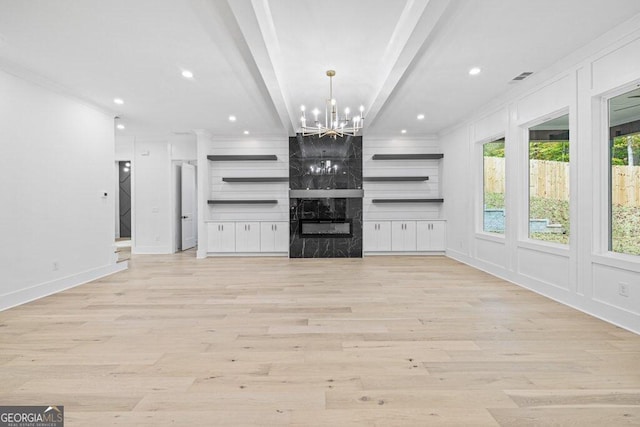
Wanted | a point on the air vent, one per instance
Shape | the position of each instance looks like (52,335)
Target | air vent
(522,76)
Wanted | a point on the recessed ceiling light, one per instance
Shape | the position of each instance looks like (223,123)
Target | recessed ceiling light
(187,74)
(246,132)
(403,131)
(232,118)
(120,126)
(474,71)
(420,116)
(118,101)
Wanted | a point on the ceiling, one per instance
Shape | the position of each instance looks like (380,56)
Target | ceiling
(259,60)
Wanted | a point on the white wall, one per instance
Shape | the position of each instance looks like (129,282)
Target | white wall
(57,161)
(584,274)
(153,198)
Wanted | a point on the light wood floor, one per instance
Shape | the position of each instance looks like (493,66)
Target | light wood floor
(380,341)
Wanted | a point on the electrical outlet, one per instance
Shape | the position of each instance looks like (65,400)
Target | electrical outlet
(623,289)
(56,266)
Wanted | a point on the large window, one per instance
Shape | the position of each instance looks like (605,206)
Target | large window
(493,186)
(624,178)
(549,181)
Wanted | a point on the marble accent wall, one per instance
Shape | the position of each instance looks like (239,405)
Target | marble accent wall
(325,164)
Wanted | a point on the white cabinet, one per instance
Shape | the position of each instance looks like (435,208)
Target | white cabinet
(221,237)
(377,236)
(274,236)
(430,235)
(403,236)
(247,237)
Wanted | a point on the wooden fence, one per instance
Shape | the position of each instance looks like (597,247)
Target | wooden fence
(551,180)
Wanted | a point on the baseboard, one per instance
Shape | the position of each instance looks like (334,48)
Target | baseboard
(24,296)
(610,314)
(412,253)
(151,250)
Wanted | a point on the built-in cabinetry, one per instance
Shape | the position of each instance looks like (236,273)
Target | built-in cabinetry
(249,237)
(404,236)
(274,236)
(403,208)
(246,209)
(430,235)
(221,237)
(377,236)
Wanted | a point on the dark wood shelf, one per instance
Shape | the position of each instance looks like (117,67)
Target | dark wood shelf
(407,200)
(395,178)
(242,202)
(258,179)
(407,156)
(241,157)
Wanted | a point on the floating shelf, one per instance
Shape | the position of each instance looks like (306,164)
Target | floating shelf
(242,202)
(258,179)
(407,200)
(407,156)
(395,178)
(238,157)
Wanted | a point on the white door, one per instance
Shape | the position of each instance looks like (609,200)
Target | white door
(188,206)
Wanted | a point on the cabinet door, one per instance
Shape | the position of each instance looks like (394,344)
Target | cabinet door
(438,236)
(397,235)
(403,236)
(409,236)
(370,236)
(281,230)
(430,235)
(274,236)
(267,237)
(384,236)
(247,237)
(423,235)
(221,237)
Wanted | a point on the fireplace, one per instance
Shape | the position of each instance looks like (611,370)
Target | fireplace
(326,228)
(325,197)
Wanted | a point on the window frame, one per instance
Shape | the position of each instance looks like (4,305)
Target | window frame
(480,231)
(525,202)
(605,246)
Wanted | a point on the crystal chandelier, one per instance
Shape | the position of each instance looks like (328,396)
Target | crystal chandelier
(334,126)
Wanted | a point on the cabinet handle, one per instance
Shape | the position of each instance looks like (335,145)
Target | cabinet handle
(275,227)
(249,227)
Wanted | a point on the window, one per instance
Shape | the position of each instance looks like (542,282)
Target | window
(624,173)
(493,186)
(549,181)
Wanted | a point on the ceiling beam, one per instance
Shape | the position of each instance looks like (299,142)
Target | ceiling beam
(221,23)
(256,23)
(417,25)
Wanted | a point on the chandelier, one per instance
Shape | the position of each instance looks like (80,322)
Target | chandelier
(334,126)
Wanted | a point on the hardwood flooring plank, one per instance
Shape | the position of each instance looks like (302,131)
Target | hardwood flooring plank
(380,341)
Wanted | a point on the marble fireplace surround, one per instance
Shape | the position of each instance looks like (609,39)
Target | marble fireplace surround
(325,178)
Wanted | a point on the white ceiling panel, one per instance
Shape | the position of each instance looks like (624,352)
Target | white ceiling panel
(261,59)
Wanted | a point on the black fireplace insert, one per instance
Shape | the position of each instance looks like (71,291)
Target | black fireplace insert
(326,228)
